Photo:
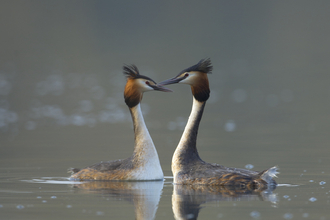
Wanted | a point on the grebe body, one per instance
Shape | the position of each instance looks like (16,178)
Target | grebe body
(187,166)
(144,163)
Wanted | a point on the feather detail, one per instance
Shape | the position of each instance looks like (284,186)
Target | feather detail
(203,66)
(131,71)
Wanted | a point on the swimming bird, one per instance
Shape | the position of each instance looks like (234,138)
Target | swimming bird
(144,163)
(187,166)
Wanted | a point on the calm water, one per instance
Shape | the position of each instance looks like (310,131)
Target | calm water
(61,105)
(26,195)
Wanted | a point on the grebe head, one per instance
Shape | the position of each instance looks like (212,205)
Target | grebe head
(138,84)
(196,77)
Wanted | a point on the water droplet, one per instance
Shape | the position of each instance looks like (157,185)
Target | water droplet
(312,199)
(322,183)
(99,213)
(20,206)
(311,181)
(249,166)
(286,196)
(53,197)
(230,126)
(69,206)
(288,216)
(44,201)
(77,120)
(1,206)
(255,214)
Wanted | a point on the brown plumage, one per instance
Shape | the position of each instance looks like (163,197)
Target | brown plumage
(111,170)
(132,94)
(200,89)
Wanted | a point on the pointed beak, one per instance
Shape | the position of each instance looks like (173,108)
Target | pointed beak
(171,81)
(158,87)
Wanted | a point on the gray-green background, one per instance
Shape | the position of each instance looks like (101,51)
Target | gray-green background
(61,92)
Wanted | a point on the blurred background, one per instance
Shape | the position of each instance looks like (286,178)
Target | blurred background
(61,81)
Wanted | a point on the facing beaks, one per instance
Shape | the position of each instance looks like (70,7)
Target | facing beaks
(171,81)
(158,87)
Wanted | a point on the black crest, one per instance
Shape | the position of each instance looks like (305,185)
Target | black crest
(132,72)
(203,65)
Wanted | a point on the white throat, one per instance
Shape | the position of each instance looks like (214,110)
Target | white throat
(192,120)
(145,156)
(186,149)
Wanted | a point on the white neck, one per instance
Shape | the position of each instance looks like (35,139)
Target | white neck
(145,156)
(186,151)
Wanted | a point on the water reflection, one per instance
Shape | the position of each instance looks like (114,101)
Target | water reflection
(145,195)
(187,199)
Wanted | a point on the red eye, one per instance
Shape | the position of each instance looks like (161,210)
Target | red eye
(186,75)
(147,82)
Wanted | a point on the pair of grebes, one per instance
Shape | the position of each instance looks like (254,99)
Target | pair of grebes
(187,166)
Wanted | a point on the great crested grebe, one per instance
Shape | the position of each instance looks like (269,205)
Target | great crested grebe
(144,163)
(187,166)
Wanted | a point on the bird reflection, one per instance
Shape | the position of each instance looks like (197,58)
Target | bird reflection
(187,199)
(144,195)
